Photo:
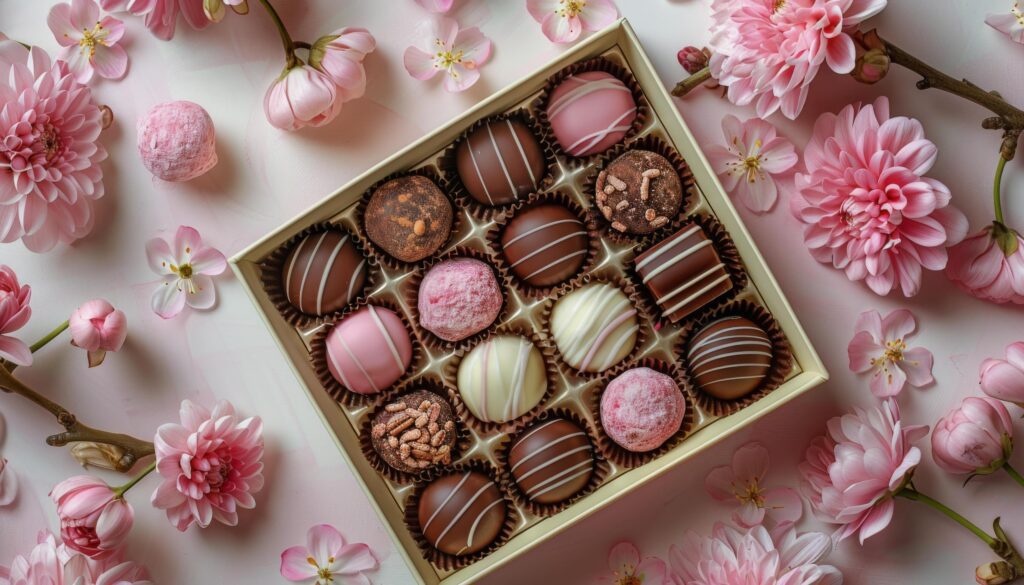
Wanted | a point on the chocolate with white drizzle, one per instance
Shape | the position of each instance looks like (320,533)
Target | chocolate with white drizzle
(730,357)
(461,514)
(323,273)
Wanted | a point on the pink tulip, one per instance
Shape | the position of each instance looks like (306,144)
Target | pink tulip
(976,437)
(93,519)
(340,55)
(990,265)
(97,327)
(1004,379)
(14,314)
(302,96)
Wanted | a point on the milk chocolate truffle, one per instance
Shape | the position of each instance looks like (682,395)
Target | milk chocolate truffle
(461,514)
(639,192)
(369,350)
(641,409)
(500,162)
(683,273)
(594,327)
(502,378)
(730,357)
(552,461)
(414,432)
(545,245)
(459,298)
(323,273)
(408,217)
(589,112)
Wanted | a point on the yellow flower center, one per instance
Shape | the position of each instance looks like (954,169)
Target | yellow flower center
(749,492)
(52,144)
(91,38)
(323,574)
(629,580)
(1015,10)
(184,271)
(570,8)
(447,59)
(779,5)
(893,354)
(749,164)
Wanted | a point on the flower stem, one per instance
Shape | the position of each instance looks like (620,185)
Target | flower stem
(692,82)
(48,337)
(1017,477)
(913,494)
(286,39)
(997,189)
(119,492)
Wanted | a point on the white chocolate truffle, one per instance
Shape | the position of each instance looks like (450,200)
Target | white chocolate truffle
(502,378)
(594,327)
(176,141)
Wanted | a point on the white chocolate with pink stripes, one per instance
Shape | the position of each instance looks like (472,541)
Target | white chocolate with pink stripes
(594,327)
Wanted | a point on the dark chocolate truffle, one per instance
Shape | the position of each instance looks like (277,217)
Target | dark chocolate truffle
(552,461)
(462,514)
(730,357)
(323,273)
(545,245)
(409,217)
(683,273)
(500,162)
(639,192)
(414,432)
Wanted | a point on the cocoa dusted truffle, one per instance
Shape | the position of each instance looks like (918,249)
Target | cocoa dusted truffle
(545,245)
(323,273)
(462,514)
(500,162)
(639,192)
(408,217)
(552,461)
(414,432)
(730,357)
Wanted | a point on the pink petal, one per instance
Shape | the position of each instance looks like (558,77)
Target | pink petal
(208,261)
(355,558)
(749,515)
(623,558)
(439,6)
(651,570)
(840,54)
(59,21)
(114,523)
(871,322)
(898,324)
(719,483)
(295,565)
(877,520)
(465,79)
(475,47)
(539,9)
(186,241)
(84,14)
(598,14)
(78,64)
(111,62)
(114,27)
(784,504)
(8,485)
(888,383)
(917,364)
(419,64)
(158,253)
(167,300)
(15,351)
(205,295)
(750,462)
(323,542)
(758,195)
(560,29)
(861,351)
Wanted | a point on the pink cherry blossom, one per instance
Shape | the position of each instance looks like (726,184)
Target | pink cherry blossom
(14,314)
(186,266)
(866,205)
(752,153)
(742,483)
(162,15)
(1010,24)
(990,265)
(768,52)
(880,346)
(211,463)
(628,568)
(459,54)
(326,559)
(303,96)
(562,21)
(53,563)
(1003,379)
(975,437)
(438,6)
(94,520)
(8,484)
(753,556)
(50,173)
(97,327)
(851,473)
(340,55)
(88,43)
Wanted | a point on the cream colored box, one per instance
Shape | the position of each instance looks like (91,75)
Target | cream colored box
(620,43)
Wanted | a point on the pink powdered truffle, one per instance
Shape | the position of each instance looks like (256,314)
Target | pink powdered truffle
(641,408)
(458,298)
(369,350)
(177,141)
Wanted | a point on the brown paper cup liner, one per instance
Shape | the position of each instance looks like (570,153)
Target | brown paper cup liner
(336,389)
(782,360)
(463,441)
(411,289)
(608,277)
(726,250)
(690,195)
(601,467)
(273,264)
(539,107)
(379,253)
(454,182)
(451,372)
(630,459)
(444,561)
(556,197)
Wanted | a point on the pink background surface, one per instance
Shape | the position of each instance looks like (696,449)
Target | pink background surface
(266,176)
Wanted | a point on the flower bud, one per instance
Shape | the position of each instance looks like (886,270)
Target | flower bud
(976,437)
(94,520)
(1003,379)
(99,455)
(693,59)
(996,573)
(97,327)
(872,66)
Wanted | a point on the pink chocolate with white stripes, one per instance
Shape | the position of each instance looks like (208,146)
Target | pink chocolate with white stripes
(590,112)
(369,350)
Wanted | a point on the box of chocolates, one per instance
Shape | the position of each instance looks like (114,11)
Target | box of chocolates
(518,319)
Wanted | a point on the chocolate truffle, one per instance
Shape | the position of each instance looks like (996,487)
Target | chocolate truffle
(730,357)
(459,298)
(641,409)
(552,461)
(323,273)
(590,112)
(414,432)
(639,192)
(545,245)
(461,514)
(502,378)
(594,327)
(408,217)
(369,350)
(683,273)
(500,162)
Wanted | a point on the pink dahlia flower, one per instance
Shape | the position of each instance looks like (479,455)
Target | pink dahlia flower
(990,265)
(53,563)
(879,346)
(753,153)
(742,483)
(93,520)
(459,53)
(1003,379)
(768,52)
(327,559)
(88,44)
(563,21)
(50,171)
(753,556)
(14,314)
(162,15)
(975,437)
(851,473)
(867,207)
(211,463)
(97,327)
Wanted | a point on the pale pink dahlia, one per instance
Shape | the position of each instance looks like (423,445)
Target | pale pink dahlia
(50,171)
(767,52)
(52,563)
(211,465)
(867,207)
(162,15)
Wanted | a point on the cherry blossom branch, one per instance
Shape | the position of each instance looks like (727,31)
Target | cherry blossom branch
(692,82)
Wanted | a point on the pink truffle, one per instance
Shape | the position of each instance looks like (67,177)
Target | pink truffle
(369,350)
(458,298)
(641,408)
(177,141)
